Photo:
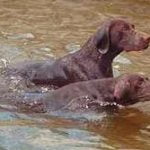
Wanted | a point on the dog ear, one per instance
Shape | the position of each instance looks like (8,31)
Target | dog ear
(122,90)
(103,39)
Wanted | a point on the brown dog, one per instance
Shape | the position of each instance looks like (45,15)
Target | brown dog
(84,96)
(92,61)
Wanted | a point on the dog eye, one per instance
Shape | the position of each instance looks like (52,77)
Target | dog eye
(146,78)
(133,26)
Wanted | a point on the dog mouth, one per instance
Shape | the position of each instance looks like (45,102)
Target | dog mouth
(139,46)
(145,46)
(142,48)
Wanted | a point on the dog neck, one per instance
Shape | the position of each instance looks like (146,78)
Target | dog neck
(90,51)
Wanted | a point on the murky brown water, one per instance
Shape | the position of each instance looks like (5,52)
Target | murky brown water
(39,29)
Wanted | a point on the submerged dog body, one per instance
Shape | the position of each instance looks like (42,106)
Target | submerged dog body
(93,61)
(84,96)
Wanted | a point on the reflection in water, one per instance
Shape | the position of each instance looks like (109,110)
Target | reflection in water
(124,130)
(43,28)
(128,129)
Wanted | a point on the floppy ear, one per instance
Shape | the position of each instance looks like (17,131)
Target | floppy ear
(122,90)
(103,39)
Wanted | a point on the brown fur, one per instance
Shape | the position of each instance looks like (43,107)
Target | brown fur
(84,96)
(92,61)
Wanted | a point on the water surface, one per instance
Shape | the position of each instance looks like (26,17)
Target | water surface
(41,29)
